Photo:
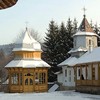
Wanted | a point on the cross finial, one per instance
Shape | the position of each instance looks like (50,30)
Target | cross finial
(84,10)
(26,24)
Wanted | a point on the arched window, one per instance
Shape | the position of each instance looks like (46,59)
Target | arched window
(26,81)
(31,81)
(29,74)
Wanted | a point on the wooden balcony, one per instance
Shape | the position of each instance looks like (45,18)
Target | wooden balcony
(7,3)
(88,83)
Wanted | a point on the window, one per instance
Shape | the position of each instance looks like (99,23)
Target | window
(31,81)
(74,43)
(36,78)
(42,78)
(90,42)
(36,75)
(65,72)
(29,74)
(69,72)
(26,81)
(14,78)
(78,72)
(69,79)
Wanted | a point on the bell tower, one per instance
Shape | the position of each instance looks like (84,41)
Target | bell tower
(85,39)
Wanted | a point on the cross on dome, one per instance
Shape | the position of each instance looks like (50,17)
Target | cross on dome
(84,10)
(26,24)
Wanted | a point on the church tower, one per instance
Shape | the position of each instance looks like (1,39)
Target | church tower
(85,39)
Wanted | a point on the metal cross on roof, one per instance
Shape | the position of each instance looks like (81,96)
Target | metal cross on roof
(26,24)
(84,10)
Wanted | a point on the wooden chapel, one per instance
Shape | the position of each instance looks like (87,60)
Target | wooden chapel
(27,72)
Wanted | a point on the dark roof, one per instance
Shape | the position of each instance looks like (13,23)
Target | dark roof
(7,3)
(85,26)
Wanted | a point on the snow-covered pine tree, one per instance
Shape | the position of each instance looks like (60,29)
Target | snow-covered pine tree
(50,51)
(75,26)
(50,43)
(65,39)
(57,44)
(97,31)
(70,32)
(62,49)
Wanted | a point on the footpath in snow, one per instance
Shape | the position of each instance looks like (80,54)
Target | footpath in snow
(61,95)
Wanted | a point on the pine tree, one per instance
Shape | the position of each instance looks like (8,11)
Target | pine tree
(75,26)
(97,31)
(57,44)
(49,51)
(50,44)
(70,32)
(62,46)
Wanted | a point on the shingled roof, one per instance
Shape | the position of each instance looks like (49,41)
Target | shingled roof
(85,26)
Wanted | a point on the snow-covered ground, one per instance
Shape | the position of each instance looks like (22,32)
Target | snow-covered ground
(61,95)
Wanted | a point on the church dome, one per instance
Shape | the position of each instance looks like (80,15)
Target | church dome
(27,43)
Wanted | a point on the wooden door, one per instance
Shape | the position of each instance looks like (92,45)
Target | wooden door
(28,83)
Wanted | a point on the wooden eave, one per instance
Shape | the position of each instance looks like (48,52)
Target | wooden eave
(7,3)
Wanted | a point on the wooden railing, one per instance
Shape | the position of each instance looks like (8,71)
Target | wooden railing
(88,82)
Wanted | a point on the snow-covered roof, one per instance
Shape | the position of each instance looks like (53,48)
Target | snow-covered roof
(68,62)
(27,63)
(90,56)
(77,50)
(80,33)
(25,49)
(59,72)
(27,42)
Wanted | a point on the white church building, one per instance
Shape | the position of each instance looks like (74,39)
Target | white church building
(83,40)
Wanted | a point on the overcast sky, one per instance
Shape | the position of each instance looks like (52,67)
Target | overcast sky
(38,14)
